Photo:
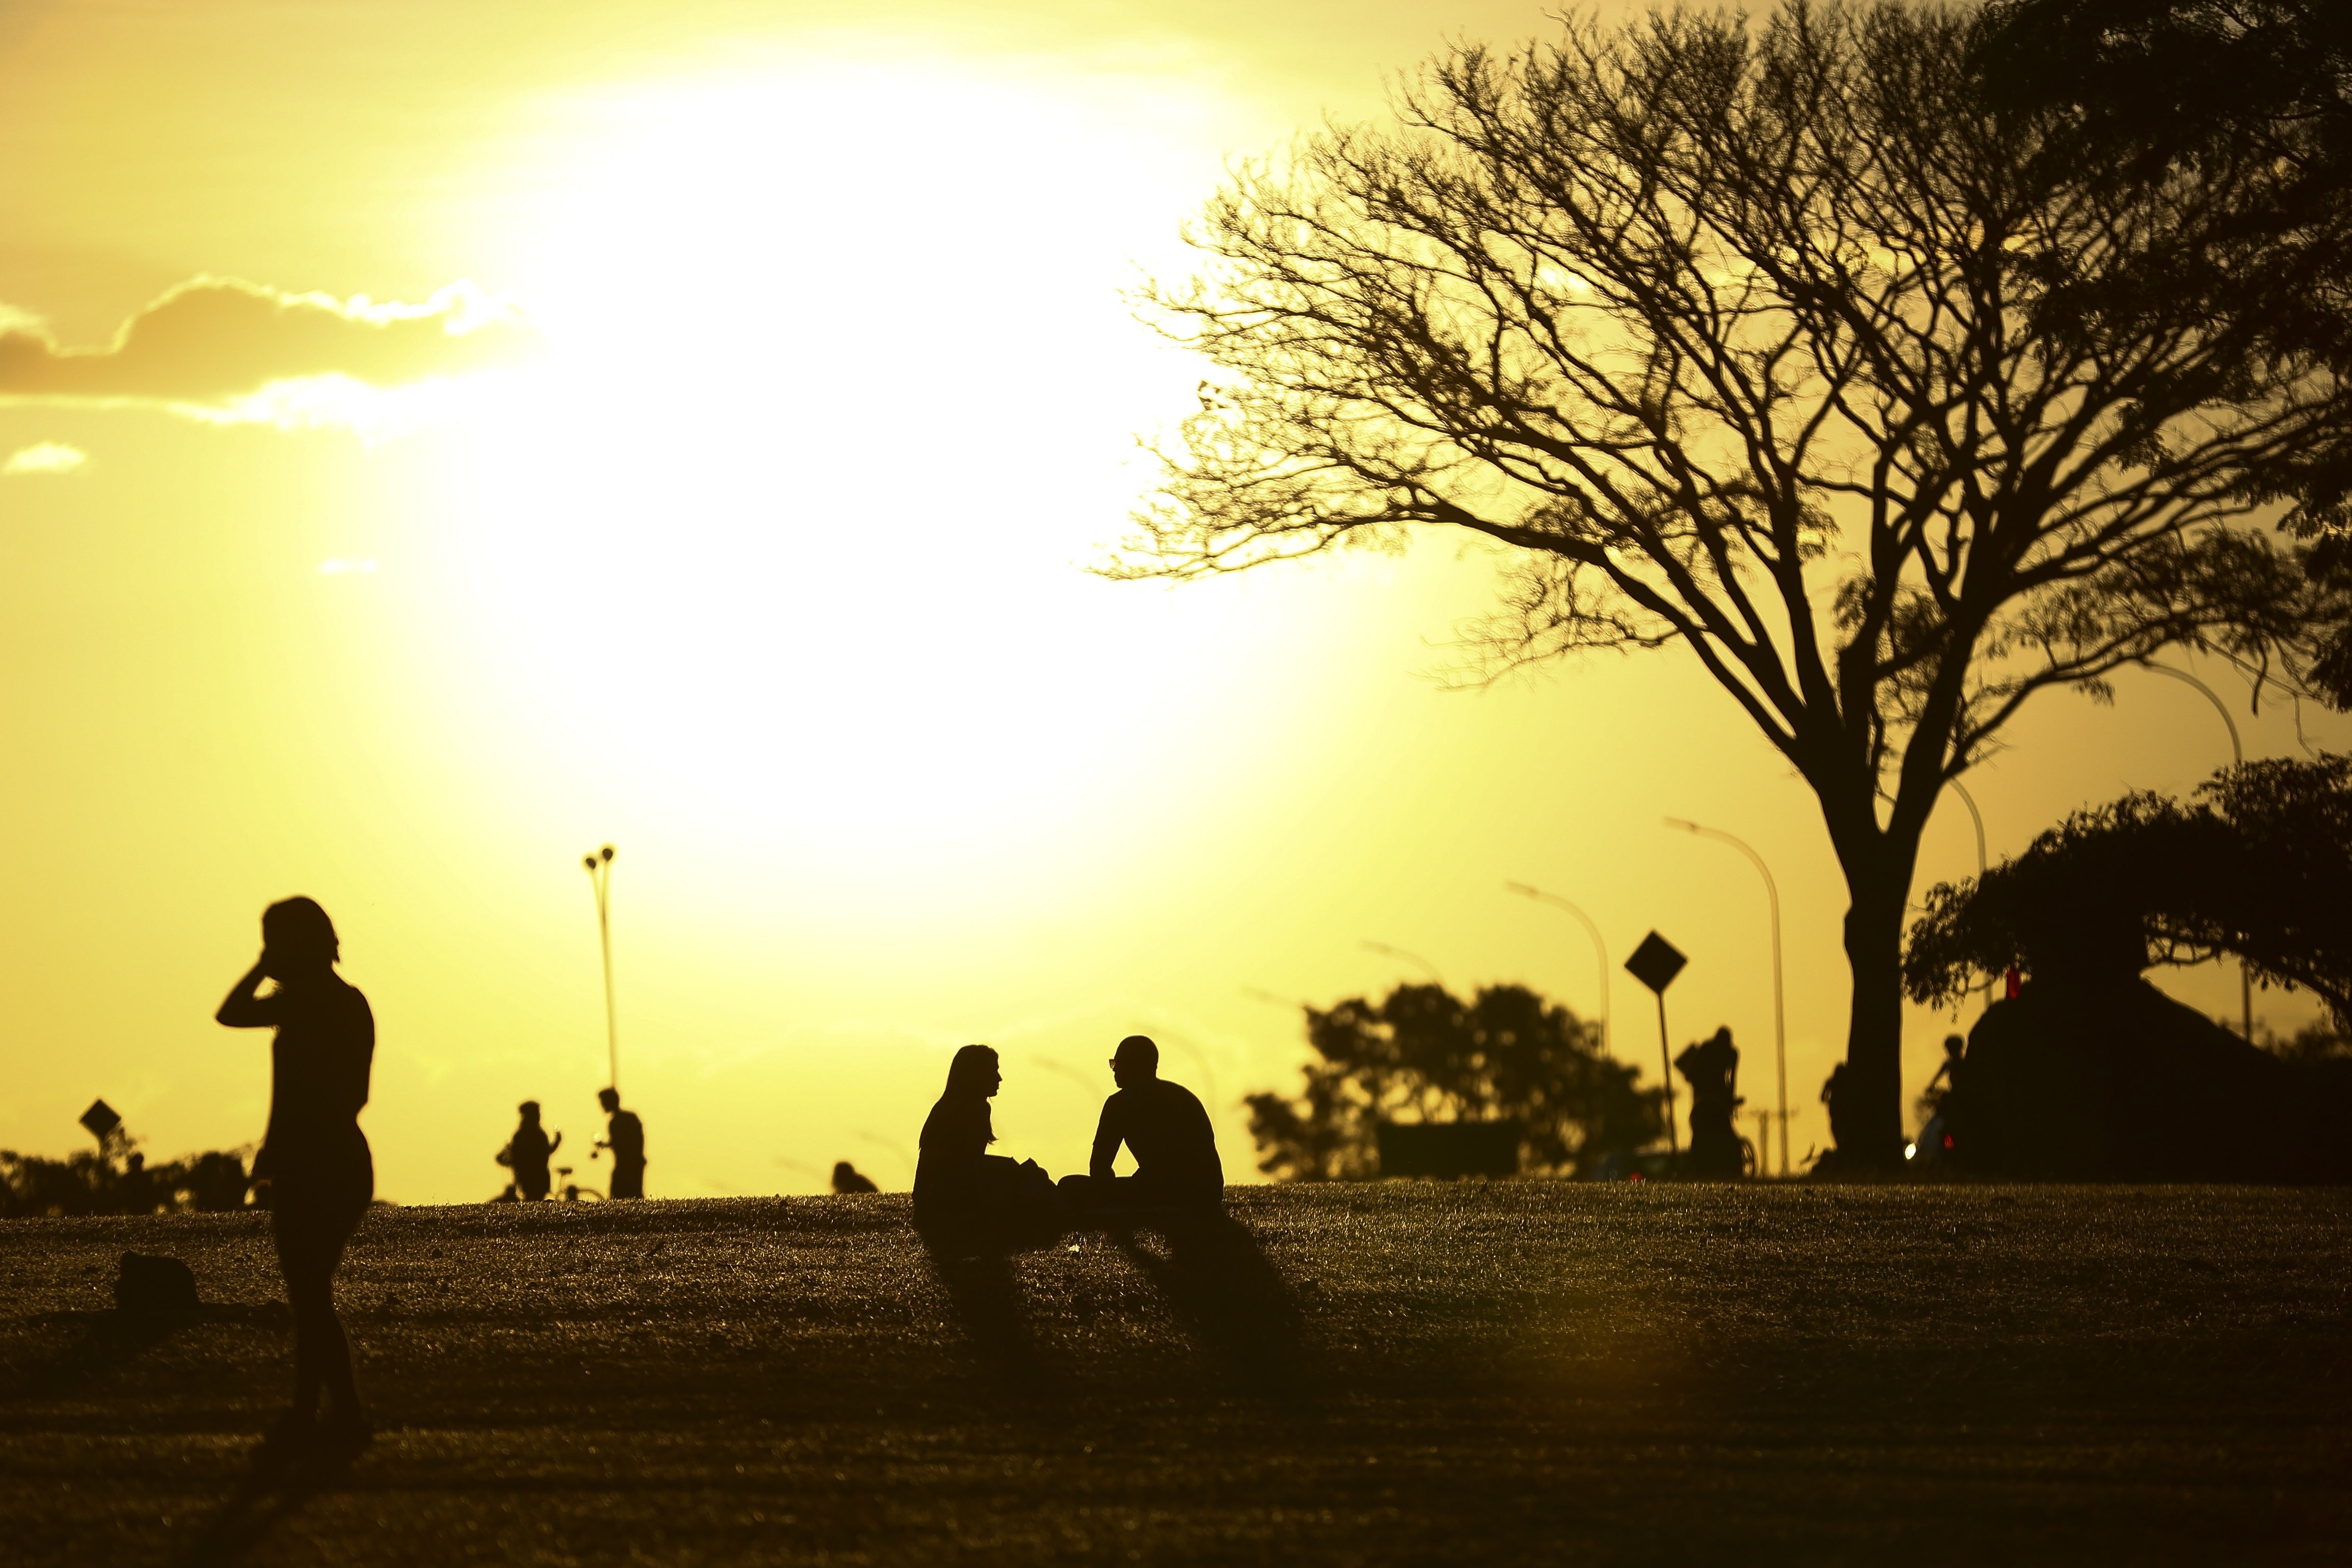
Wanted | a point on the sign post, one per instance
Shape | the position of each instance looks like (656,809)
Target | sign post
(1655,964)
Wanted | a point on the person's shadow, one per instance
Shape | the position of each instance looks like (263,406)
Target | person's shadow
(271,1490)
(111,1338)
(274,1490)
(1227,1293)
(987,1302)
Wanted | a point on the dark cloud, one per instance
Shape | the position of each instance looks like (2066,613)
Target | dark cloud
(216,339)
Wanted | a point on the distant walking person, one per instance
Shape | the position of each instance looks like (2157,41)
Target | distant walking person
(964,1193)
(624,1135)
(528,1153)
(848,1178)
(314,1158)
(1176,1164)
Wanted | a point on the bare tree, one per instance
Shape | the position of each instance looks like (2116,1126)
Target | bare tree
(1779,344)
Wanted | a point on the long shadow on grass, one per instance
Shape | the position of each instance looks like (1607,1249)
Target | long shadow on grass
(270,1493)
(111,1339)
(986,1299)
(1228,1294)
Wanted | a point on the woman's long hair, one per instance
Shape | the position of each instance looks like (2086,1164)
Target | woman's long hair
(968,1084)
(299,928)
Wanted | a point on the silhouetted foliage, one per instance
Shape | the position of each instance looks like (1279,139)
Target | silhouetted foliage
(1424,1054)
(2321,1042)
(2155,91)
(1787,346)
(89,1183)
(2254,866)
(2153,83)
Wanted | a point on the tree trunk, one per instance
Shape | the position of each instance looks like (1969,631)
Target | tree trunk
(1866,1108)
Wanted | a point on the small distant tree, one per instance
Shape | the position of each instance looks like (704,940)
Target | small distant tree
(2322,1043)
(103,1182)
(1424,1054)
(2254,866)
(1788,346)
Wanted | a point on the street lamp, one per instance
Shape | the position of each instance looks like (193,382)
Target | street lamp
(2237,759)
(1977,818)
(600,877)
(1384,949)
(1600,947)
(1779,1028)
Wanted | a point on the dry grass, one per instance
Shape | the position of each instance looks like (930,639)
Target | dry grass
(1387,1374)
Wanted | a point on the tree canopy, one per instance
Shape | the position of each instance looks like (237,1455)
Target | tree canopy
(1424,1054)
(2151,91)
(1786,346)
(2255,865)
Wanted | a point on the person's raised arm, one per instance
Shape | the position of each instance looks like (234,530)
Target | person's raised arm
(245,1007)
(1108,1135)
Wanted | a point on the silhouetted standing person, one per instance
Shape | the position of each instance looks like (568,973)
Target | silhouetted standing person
(314,1157)
(138,1186)
(624,1135)
(1164,1124)
(1713,1072)
(848,1178)
(528,1153)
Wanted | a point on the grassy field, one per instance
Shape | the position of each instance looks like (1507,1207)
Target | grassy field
(1383,1374)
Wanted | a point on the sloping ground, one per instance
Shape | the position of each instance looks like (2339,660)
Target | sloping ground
(1396,1373)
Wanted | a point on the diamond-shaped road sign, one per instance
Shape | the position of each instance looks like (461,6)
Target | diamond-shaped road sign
(1655,962)
(101,1120)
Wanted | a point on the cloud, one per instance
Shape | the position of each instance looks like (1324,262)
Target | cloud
(48,458)
(212,342)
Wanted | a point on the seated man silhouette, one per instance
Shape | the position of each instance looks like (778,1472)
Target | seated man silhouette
(1164,1125)
(624,1135)
(848,1178)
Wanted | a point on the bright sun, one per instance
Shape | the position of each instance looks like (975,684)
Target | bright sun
(841,399)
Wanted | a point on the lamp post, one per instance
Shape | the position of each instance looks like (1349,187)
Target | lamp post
(1385,950)
(1599,948)
(1780,1027)
(2237,759)
(1977,818)
(600,877)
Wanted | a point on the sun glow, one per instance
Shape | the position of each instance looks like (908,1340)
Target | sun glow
(840,399)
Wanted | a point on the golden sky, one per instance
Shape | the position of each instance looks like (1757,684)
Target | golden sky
(437,440)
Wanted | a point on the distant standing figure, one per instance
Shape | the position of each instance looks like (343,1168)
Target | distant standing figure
(846,1179)
(138,1186)
(624,1135)
(528,1153)
(314,1157)
(964,1193)
(1713,1072)
(1175,1147)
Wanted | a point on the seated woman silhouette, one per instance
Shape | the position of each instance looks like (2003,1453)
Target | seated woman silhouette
(314,1158)
(528,1153)
(964,1194)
